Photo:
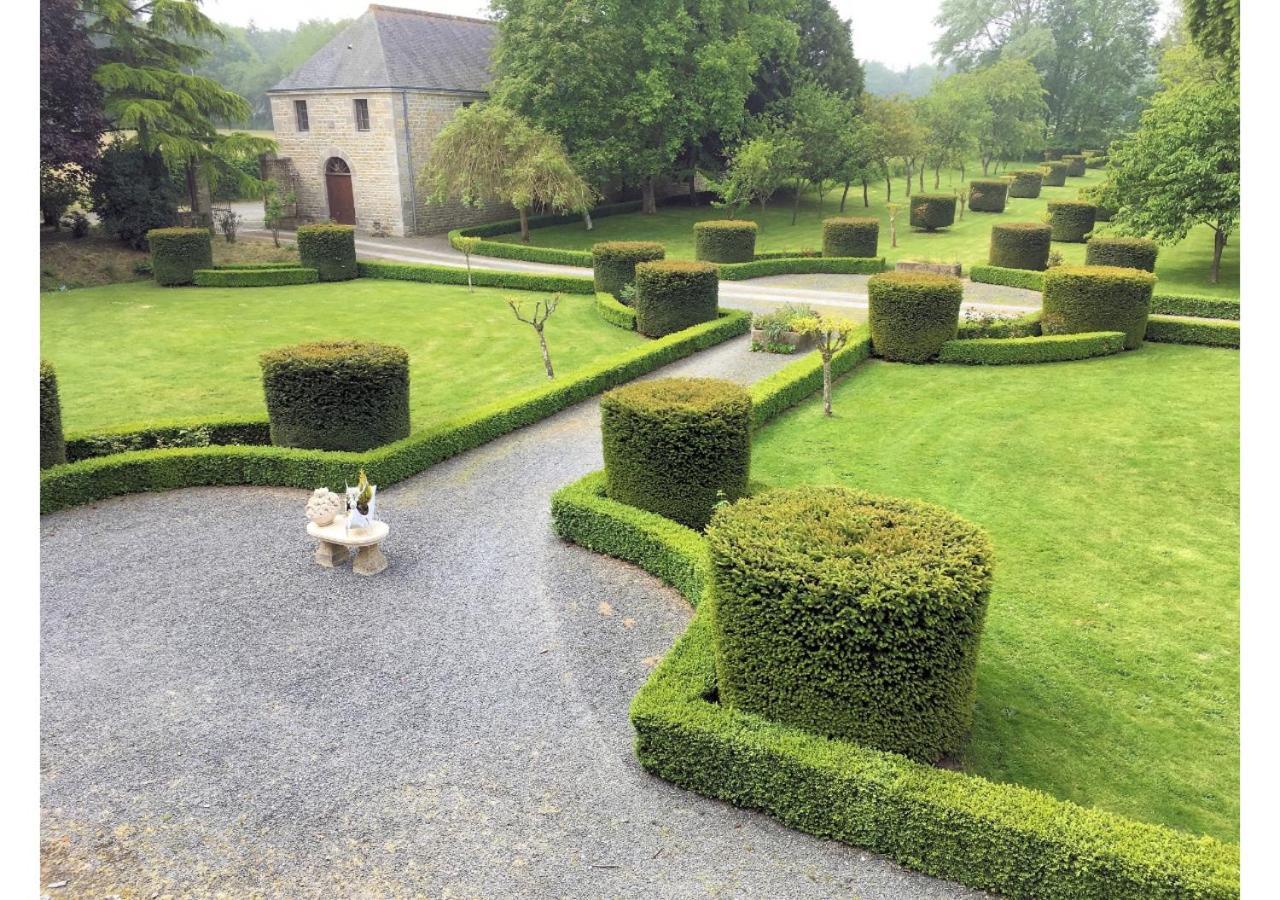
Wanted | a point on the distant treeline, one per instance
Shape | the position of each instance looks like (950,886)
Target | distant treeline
(913,81)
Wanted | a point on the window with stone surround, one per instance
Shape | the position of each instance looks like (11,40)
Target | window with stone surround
(362,115)
(300,115)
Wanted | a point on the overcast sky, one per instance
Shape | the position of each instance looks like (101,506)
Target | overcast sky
(897,33)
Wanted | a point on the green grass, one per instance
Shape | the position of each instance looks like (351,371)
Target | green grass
(1109,668)
(1183,268)
(138,353)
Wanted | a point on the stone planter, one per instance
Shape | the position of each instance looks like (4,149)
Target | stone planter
(935,268)
(801,342)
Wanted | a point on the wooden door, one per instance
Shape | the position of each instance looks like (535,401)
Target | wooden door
(342,203)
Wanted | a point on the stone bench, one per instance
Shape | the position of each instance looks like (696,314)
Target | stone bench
(334,539)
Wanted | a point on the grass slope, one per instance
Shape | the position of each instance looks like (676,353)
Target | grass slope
(1182,269)
(1109,668)
(135,353)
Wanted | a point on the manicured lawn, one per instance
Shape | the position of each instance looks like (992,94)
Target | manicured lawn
(1182,269)
(137,353)
(1109,667)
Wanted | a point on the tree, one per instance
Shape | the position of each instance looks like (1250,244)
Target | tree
(758,167)
(882,121)
(133,192)
(953,114)
(273,206)
(817,119)
(467,246)
(537,319)
(1215,27)
(1014,125)
(857,157)
(71,118)
(832,334)
(490,154)
(823,53)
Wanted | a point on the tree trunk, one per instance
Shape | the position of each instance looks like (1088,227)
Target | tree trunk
(909,174)
(866,201)
(984,172)
(888,186)
(546,354)
(985,163)
(693,175)
(648,205)
(193,191)
(524,225)
(1219,241)
(795,206)
(470,287)
(826,384)
(586,217)
(937,176)
(922,177)
(844,196)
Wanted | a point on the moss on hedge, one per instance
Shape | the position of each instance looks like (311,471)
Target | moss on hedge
(330,249)
(176,253)
(613,263)
(53,447)
(1030,350)
(850,236)
(725,240)
(988,194)
(1020,245)
(1071,220)
(912,314)
(932,211)
(672,295)
(1125,252)
(1025,183)
(1078,299)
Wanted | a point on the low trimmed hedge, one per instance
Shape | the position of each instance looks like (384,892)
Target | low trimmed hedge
(788,254)
(256,266)
(932,211)
(1096,162)
(1071,220)
(1055,173)
(53,446)
(1020,245)
(850,236)
(176,254)
(1019,278)
(801,265)
(672,295)
(1075,164)
(433,274)
(1204,332)
(330,249)
(725,240)
(1030,350)
(1019,327)
(178,433)
(1026,183)
(1196,307)
(165,469)
(613,263)
(912,314)
(988,195)
(615,312)
(267,277)
(1125,252)
(553,255)
(1079,299)
(337,395)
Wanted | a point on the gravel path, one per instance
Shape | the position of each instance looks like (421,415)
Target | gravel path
(219,714)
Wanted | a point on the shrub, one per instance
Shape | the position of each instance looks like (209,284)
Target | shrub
(59,188)
(725,240)
(342,395)
(988,194)
(990,325)
(912,314)
(182,433)
(850,615)
(1055,174)
(272,276)
(1020,245)
(1071,220)
(1019,278)
(53,448)
(677,446)
(615,312)
(1206,332)
(1096,162)
(176,253)
(1028,350)
(1125,252)
(1026,183)
(523,281)
(330,249)
(1080,299)
(932,211)
(801,265)
(1075,165)
(850,236)
(1197,307)
(673,295)
(133,193)
(614,263)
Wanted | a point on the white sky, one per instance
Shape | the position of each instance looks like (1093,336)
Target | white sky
(897,33)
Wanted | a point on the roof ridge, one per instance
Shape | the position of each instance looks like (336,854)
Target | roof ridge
(382,51)
(427,12)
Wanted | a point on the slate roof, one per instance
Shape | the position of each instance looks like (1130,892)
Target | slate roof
(389,47)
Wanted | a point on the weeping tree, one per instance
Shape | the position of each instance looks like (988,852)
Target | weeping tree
(490,154)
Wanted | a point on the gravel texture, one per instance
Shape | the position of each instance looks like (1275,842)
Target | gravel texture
(222,716)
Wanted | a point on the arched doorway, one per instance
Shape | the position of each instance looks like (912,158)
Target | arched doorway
(342,202)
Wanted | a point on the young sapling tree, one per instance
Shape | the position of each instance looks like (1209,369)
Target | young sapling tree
(467,246)
(832,333)
(537,319)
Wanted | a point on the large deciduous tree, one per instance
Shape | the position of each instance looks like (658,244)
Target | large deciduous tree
(892,131)
(71,118)
(954,114)
(1214,25)
(1014,96)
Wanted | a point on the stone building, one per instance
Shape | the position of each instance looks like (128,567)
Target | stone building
(355,123)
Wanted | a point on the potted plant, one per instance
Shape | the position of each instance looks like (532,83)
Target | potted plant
(775,332)
(362,503)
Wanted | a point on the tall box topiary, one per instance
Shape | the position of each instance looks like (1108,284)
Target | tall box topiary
(330,249)
(988,194)
(1020,245)
(1071,220)
(677,446)
(1079,299)
(725,240)
(850,236)
(341,395)
(932,211)
(53,446)
(850,615)
(912,314)
(176,253)
(672,295)
(1125,252)
(1025,183)
(613,263)
(1055,174)
(1075,164)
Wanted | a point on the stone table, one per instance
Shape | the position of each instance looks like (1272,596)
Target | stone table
(334,539)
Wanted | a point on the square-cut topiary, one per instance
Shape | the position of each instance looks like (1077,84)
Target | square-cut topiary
(1075,164)
(988,194)
(1071,220)
(1126,252)
(912,314)
(725,240)
(932,211)
(176,253)
(1055,174)
(1097,298)
(330,249)
(1020,245)
(1025,183)
(850,236)
(850,615)
(340,395)
(613,263)
(53,446)
(677,446)
(672,295)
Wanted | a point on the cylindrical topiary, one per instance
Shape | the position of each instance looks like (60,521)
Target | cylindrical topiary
(1125,252)
(176,253)
(672,295)
(330,249)
(850,615)
(340,395)
(613,263)
(53,446)
(850,236)
(1080,299)
(1075,164)
(1071,220)
(1055,153)
(988,194)
(677,446)
(1103,213)
(1055,174)
(912,314)
(725,240)
(1025,183)
(932,211)
(1020,245)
